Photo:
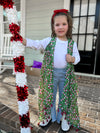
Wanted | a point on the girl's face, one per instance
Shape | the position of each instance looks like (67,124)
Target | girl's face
(60,26)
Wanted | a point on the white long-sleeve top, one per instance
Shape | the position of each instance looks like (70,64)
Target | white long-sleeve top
(59,52)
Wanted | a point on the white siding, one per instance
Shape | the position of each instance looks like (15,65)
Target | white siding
(38,23)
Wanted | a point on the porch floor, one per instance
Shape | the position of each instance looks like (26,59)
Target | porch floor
(88,102)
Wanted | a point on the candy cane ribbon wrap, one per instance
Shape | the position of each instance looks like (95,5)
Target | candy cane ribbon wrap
(19,65)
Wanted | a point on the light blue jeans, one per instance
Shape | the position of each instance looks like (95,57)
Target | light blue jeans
(58,81)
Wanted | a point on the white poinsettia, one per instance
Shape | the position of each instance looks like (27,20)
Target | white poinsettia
(23,107)
(12,15)
(18,48)
(21,79)
(25,130)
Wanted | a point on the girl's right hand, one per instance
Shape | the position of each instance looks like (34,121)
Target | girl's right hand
(24,42)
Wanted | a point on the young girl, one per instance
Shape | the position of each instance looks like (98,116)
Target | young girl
(61,54)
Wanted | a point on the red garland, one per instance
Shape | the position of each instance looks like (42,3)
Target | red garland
(14,28)
(6,3)
(24,120)
(19,64)
(16,38)
(22,93)
(1,2)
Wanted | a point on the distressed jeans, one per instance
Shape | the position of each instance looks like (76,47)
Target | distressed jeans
(58,82)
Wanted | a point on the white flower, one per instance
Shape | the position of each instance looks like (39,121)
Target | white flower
(12,15)
(23,107)
(25,130)
(18,48)
(21,79)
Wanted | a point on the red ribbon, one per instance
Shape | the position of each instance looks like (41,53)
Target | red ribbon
(59,11)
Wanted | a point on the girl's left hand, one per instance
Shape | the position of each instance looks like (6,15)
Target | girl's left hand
(70,59)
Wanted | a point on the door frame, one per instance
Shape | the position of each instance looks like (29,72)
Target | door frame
(97,60)
(94,34)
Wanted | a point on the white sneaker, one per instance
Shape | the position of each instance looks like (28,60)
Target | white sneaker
(44,122)
(64,124)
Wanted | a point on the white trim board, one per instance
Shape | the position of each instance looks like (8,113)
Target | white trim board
(23,6)
(67,4)
(87,75)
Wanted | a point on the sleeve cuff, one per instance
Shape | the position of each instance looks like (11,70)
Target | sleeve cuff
(27,42)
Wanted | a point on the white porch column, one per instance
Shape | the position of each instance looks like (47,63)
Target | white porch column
(23,17)
(1,32)
(1,23)
(1,27)
(67,4)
